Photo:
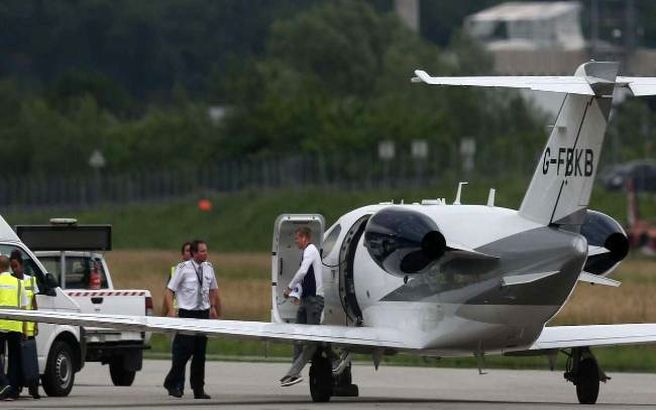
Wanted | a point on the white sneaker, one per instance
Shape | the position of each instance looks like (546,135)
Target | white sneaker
(290,381)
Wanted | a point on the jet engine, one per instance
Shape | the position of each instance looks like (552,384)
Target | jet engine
(607,243)
(403,242)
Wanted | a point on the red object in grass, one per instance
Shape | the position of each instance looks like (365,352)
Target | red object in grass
(205,205)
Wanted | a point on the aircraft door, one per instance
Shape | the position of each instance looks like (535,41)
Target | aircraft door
(286,258)
(347,272)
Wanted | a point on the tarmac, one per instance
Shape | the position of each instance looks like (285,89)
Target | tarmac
(255,386)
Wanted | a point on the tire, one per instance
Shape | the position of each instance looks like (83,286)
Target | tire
(321,379)
(59,376)
(120,375)
(587,382)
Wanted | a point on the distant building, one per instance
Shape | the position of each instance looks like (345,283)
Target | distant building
(531,37)
(529,26)
(408,12)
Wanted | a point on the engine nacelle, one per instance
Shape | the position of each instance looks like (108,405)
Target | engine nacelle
(603,231)
(403,242)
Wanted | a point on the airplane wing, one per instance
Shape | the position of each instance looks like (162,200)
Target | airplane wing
(339,335)
(561,337)
(561,84)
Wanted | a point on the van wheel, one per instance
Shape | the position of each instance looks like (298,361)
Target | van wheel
(120,375)
(59,377)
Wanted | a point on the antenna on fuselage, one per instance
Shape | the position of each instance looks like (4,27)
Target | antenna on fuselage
(490,197)
(459,193)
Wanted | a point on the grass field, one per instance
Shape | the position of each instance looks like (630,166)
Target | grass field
(243,221)
(245,283)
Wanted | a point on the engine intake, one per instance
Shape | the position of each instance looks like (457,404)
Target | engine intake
(403,242)
(603,231)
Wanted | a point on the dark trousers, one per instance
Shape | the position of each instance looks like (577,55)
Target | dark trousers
(184,347)
(14,369)
(30,357)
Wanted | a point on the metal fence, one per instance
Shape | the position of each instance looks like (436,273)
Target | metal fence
(346,172)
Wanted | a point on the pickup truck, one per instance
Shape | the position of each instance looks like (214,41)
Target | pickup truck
(72,274)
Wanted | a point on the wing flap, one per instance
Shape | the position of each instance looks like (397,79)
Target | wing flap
(341,335)
(561,337)
(561,84)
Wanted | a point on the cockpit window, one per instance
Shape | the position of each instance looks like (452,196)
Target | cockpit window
(331,239)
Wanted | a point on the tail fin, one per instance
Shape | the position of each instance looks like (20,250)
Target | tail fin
(562,183)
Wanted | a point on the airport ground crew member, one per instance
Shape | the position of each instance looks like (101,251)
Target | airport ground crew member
(309,312)
(31,289)
(12,296)
(195,287)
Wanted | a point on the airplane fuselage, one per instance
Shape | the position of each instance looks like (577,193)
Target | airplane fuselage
(500,280)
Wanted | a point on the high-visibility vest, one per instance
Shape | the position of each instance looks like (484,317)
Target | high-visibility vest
(28,286)
(11,297)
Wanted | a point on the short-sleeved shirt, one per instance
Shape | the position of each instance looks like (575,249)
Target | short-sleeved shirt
(189,292)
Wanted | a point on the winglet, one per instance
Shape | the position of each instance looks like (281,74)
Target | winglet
(421,77)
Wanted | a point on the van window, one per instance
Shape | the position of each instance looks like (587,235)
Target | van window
(331,239)
(30,267)
(78,270)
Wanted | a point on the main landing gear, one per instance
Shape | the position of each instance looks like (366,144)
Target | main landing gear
(582,370)
(331,376)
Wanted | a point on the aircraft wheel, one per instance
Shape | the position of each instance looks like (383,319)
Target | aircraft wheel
(343,384)
(587,382)
(321,379)
(120,375)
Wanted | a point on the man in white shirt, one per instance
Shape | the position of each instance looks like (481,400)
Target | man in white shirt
(309,312)
(197,293)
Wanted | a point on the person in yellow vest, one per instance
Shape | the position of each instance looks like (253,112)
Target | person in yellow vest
(185,252)
(12,296)
(31,289)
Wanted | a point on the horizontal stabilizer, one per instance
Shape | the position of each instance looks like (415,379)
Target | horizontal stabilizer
(599,280)
(340,335)
(560,84)
(639,86)
(563,337)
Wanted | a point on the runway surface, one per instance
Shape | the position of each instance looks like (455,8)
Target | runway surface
(255,386)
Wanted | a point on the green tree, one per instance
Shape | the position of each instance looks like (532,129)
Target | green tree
(337,78)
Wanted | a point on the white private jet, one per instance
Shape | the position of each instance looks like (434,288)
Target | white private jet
(438,279)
